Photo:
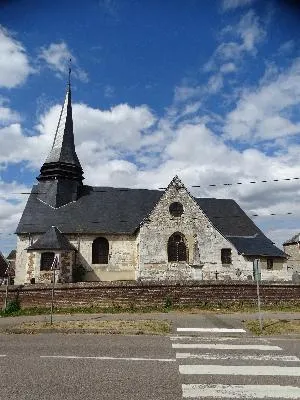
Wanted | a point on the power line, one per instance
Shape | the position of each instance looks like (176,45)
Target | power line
(250,182)
(194,186)
(241,183)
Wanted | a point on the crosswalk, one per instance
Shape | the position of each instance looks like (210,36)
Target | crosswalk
(236,366)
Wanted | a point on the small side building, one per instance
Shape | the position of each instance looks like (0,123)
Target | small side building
(292,249)
(41,258)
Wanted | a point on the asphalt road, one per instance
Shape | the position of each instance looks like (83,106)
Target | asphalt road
(28,373)
(187,364)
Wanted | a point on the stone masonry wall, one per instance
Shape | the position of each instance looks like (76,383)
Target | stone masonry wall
(204,243)
(122,258)
(293,262)
(149,294)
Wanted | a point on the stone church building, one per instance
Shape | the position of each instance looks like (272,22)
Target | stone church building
(111,234)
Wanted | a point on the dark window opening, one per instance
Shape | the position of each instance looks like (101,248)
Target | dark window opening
(176,209)
(176,248)
(46,261)
(226,256)
(100,251)
(269,263)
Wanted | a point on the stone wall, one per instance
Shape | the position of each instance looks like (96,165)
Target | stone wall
(23,241)
(203,241)
(293,262)
(149,294)
(122,260)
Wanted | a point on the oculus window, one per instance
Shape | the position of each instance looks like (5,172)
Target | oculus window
(176,209)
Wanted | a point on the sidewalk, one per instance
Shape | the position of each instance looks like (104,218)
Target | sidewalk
(178,319)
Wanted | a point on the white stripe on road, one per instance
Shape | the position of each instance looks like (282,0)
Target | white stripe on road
(241,391)
(217,346)
(213,356)
(218,338)
(265,370)
(213,330)
(113,358)
(2,355)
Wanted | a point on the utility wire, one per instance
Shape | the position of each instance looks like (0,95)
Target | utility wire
(194,186)
(240,183)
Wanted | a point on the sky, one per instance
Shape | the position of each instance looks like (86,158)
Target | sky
(208,90)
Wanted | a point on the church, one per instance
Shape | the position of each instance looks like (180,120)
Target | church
(117,234)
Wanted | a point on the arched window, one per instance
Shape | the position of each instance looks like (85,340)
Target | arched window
(176,248)
(47,259)
(100,251)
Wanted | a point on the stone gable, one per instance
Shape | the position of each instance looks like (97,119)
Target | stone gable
(203,241)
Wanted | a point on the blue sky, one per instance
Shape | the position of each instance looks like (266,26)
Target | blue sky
(208,90)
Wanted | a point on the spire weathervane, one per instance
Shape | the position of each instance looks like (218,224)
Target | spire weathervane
(70,70)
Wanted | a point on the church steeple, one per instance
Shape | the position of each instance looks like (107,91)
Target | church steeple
(62,161)
(61,176)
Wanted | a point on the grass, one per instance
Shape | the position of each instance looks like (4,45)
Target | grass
(274,327)
(123,327)
(166,307)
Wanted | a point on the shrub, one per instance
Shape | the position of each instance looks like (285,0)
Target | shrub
(13,306)
(168,303)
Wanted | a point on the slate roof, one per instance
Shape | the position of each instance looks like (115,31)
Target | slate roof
(53,239)
(256,245)
(3,265)
(295,239)
(98,209)
(116,210)
(12,255)
(63,148)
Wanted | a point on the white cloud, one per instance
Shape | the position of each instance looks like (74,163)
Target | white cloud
(57,56)
(109,91)
(244,38)
(235,43)
(8,116)
(250,31)
(232,4)
(227,68)
(14,63)
(127,146)
(122,130)
(286,47)
(12,203)
(215,83)
(263,113)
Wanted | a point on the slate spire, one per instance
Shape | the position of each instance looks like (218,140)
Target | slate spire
(62,161)
(61,176)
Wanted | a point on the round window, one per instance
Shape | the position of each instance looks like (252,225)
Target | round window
(176,209)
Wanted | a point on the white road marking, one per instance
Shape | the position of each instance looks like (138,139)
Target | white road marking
(212,330)
(265,370)
(217,339)
(2,355)
(213,356)
(112,358)
(241,391)
(217,346)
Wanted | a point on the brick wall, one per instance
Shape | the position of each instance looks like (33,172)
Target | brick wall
(151,294)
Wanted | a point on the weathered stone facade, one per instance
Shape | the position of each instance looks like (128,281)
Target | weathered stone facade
(293,252)
(143,255)
(122,259)
(203,242)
